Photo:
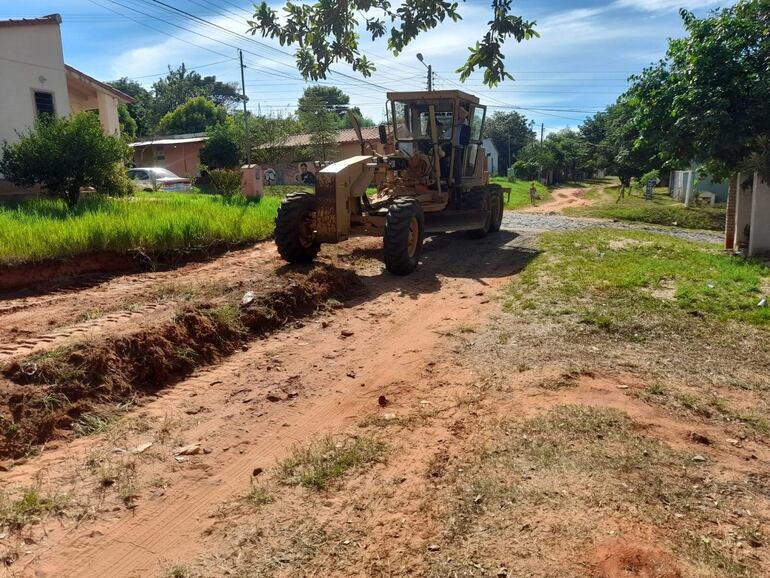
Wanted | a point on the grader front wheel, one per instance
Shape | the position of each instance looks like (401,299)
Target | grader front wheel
(404,234)
(295,228)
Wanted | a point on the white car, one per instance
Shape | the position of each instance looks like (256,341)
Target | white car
(157,179)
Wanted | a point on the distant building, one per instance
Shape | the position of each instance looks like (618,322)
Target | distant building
(34,80)
(180,153)
(686,186)
(293,160)
(493,157)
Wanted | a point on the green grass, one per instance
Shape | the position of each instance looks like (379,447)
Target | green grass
(519,196)
(45,229)
(619,278)
(319,463)
(661,210)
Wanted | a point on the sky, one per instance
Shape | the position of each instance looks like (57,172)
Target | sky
(581,63)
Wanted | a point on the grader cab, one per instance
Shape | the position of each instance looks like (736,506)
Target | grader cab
(435,180)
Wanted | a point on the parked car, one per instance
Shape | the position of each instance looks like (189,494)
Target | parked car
(157,179)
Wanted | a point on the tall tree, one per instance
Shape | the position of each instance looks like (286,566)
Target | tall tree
(139,108)
(195,115)
(508,128)
(709,99)
(322,125)
(328,32)
(336,101)
(181,85)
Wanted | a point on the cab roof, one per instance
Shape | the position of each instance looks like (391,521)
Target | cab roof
(434,95)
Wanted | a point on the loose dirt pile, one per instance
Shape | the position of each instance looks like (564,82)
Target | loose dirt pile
(50,392)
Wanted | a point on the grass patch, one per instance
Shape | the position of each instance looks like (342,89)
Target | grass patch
(325,460)
(661,210)
(617,280)
(519,196)
(28,507)
(37,230)
(588,466)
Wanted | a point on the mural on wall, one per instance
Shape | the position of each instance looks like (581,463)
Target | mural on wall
(302,173)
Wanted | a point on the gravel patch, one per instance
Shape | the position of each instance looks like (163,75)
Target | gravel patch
(546,222)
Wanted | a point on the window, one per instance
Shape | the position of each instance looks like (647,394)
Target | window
(44,103)
(412,120)
(160,153)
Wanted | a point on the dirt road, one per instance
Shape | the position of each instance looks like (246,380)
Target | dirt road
(322,375)
(560,199)
(427,363)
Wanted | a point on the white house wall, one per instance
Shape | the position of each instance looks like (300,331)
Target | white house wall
(759,236)
(31,60)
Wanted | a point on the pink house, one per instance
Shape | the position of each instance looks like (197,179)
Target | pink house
(180,154)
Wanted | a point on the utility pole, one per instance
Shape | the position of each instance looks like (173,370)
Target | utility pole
(430,71)
(246,143)
(542,131)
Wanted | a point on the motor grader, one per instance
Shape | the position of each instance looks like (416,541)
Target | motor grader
(435,179)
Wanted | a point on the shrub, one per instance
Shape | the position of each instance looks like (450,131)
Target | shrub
(221,150)
(226,182)
(526,170)
(66,154)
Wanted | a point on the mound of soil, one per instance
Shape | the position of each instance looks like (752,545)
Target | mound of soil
(617,560)
(51,391)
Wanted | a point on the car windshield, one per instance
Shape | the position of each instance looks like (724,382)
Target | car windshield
(164,174)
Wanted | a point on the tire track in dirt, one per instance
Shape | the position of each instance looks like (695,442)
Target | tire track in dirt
(25,321)
(395,335)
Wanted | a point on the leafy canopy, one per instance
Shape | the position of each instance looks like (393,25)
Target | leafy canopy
(195,115)
(335,100)
(508,127)
(66,154)
(222,150)
(709,99)
(327,32)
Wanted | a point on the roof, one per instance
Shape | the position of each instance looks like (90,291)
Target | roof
(433,95)
(177,139)
(369,133)
(121,96)
(50,19)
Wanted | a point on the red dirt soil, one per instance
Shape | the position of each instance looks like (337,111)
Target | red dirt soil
(329,373)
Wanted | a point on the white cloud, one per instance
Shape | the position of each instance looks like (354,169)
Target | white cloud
(667,5)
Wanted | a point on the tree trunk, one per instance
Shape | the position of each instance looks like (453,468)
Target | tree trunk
(732,195)
(72,196)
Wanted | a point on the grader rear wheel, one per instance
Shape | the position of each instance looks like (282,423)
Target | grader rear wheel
(498,208)
(404,234)
(295,228)
(480,199)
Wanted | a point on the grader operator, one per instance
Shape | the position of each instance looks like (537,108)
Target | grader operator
(435,180)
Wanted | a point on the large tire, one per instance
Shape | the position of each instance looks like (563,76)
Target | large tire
(404,234)
(295,228)
(480,199)
(498,208)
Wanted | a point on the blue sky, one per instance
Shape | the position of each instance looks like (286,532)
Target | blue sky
(586,51)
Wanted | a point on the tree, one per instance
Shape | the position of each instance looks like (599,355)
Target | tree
(195,115)
(323,125)
(181,85)
(66,154)
(222,150)
(709,99)
(267,135)
(138,110)
(336,101)
(506,128)
(328,32)
(128,125)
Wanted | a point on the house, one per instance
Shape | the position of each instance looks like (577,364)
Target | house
(493,157)
(35,80)
(748,215)
(685,186)
(293,160)
(180,153)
